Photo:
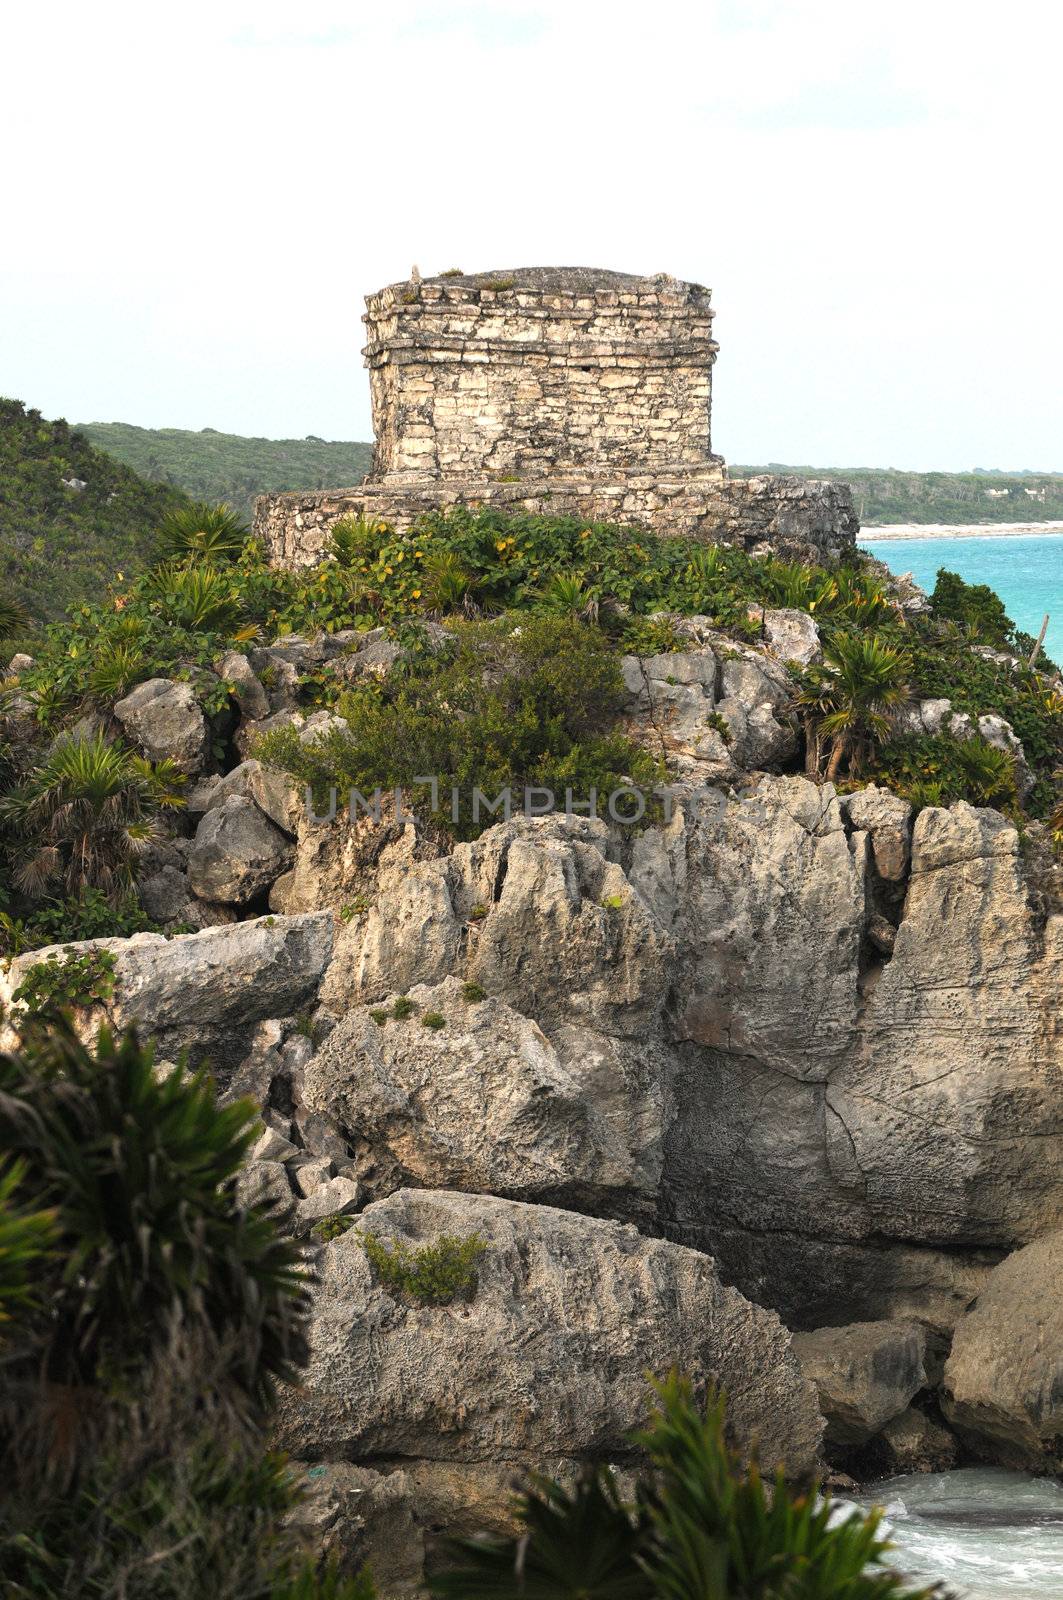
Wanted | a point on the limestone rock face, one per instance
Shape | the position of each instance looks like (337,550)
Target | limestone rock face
(790,634)
(486,1102)
(205,991)
(237,853)
(865,1374)
(359,1518)
(547,1357)
(858,1135)
(1004,1377)
(165,719)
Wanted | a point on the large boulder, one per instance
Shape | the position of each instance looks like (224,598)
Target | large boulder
(1004,1377)
(237,853)
(865,1375)
(484,1101)
(888,820)
(535,911)
(855,1138)
(205,991)
(546,1359)
(165,718)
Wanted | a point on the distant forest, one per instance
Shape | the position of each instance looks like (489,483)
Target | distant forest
(883,495)
(216,466)
(227,466)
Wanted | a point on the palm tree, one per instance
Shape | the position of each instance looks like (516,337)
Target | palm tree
(85,814)
(198,531)
(852,698)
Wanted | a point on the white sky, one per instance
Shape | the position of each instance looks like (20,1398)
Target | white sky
(195,198)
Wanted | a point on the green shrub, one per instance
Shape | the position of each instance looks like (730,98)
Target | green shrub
(402,1008)
(433,1275)
(851,698)
(941,769)
(975,606)
(504,706)
(201,599)
(332,1227)
(473,992)
(434,1020)
(380,1017)
(703,1527)
(27,1240)
(87,916)
(67,980)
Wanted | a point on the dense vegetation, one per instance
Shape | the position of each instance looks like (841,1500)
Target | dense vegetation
(209,465)
(147,1315)
(883,495)
(482,704)
(71,518)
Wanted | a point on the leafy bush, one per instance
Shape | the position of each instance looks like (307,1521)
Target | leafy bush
(935,771)
(87,916)
(703,1526)
(403,1007)
(505,707)
(27,1239)
(332,1227)
(67,980)
(434,1020)
(473,992)
(974,605)
(433,1275)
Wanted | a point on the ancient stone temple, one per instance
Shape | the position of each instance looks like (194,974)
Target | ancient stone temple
(566,390)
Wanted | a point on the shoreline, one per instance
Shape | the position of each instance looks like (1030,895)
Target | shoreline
(957,530)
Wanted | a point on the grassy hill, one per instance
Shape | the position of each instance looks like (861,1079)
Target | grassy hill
(70,516)
(884,495)
(226,466)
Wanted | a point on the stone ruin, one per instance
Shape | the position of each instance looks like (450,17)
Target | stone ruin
(559,390)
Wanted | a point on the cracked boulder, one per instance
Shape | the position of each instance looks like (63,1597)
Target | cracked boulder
(204,992)
(165,719)
(1004,1377)
(485,1101)
(544,1358)
(865,1375)
(237,853)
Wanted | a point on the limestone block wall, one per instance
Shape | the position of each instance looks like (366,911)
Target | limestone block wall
(540,370)
(798,518)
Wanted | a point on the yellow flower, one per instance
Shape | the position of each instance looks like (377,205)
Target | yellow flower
(416,594)
(389,570)
(418,553)
(500,544)
(585,534)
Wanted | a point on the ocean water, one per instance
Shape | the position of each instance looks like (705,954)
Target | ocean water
(1026,570)
(985,1534)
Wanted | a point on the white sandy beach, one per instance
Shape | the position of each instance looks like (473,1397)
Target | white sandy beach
(958,530)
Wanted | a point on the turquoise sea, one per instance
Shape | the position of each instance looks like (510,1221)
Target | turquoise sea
(1026,570)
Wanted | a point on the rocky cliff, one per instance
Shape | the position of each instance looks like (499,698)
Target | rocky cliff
(786,1060)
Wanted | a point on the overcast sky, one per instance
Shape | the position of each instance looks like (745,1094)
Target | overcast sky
(196,198)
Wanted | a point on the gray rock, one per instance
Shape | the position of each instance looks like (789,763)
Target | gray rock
(358,1517)
(791,635)
(548,1357)
(888,819)
(165,719)
(237,853)
(205,991)
(308,1176)
(236,671)
(1004,1376)
(488,1102)
(20,662)
(337,1196)
(263,1182)
(865,1374)
(912,1442)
